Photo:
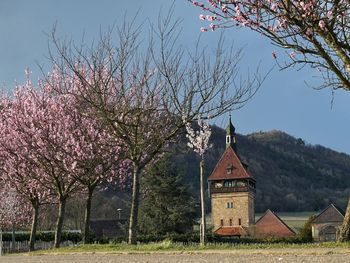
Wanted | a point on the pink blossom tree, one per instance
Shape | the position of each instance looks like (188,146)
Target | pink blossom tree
(43,126)
(18,168)
(199,142)
(27,190)
(13,211)
(99,163)
(9,210)
(98,157)
(141,91)
(314,32)
(72,152)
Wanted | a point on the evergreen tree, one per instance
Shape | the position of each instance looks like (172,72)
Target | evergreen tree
(167,206)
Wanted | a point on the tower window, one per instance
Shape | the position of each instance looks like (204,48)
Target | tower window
(230,222)
(239,221)
(227,139)
(222,222)
(241,183)
(229,183)
(229,205)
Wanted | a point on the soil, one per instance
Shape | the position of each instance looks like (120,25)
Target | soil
(217,256)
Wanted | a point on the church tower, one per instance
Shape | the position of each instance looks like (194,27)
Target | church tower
(232,192)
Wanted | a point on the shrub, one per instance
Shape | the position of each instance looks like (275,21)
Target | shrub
(306,232)
(75,237)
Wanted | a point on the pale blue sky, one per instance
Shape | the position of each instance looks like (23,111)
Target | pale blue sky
(284,102)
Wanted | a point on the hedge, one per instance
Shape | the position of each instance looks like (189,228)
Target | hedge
(193,237)
(75,237)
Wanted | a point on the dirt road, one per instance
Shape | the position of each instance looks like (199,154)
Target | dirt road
(224,256)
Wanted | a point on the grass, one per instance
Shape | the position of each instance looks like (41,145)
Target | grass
(168,246)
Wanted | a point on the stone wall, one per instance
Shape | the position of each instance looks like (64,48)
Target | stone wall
(243,209)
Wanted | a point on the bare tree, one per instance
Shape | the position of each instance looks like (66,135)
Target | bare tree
(145,90)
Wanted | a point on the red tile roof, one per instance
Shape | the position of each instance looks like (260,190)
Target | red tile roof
(229,159)
(270,225)
(231,231)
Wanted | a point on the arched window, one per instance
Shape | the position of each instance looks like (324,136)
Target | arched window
(328,233)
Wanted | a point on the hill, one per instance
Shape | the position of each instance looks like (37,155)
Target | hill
(291,174)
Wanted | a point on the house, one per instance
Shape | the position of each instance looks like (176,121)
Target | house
(326,224)
(270,225)
(108,228)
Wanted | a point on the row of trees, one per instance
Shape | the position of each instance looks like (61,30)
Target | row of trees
(107,111)
(50,151)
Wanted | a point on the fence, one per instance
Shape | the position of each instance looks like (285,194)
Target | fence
(23,246)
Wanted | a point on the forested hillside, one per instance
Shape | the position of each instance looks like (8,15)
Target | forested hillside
(291,174)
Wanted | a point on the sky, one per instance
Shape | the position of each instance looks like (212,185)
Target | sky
(285,102)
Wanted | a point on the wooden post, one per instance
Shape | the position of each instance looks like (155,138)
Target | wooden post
(203,224)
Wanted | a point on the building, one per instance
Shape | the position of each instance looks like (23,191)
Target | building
(326,224)
(108,228)
(270,225)
(232,192)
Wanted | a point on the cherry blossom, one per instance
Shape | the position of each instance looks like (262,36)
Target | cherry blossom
(199,142)
(317,29)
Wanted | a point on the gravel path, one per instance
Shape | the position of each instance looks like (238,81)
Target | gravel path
(242,256)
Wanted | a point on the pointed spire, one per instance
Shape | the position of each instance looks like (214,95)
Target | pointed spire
(230,130)
(230,135)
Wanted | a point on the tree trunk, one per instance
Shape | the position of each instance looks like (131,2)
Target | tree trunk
(86,237)
(60,219)
(34,225)
(344,232)
(13,238)
(134,204)
(1,240)
(203,224)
